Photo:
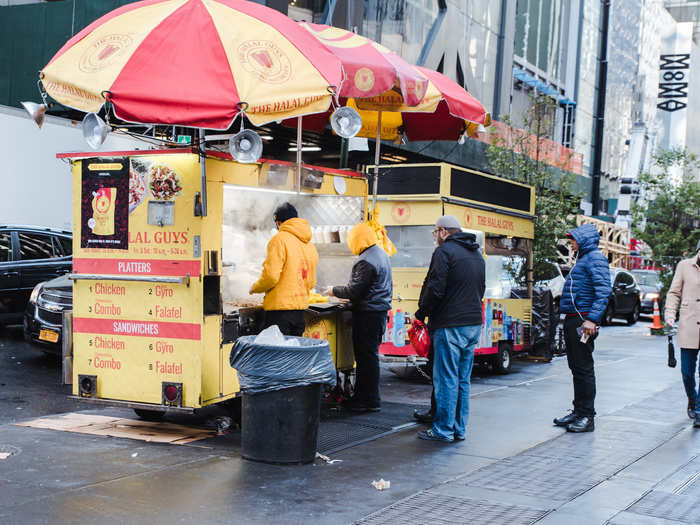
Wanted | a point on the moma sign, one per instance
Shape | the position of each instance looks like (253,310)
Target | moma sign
(673,82)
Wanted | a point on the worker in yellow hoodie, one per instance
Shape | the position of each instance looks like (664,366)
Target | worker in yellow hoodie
(289,272)
(369,290)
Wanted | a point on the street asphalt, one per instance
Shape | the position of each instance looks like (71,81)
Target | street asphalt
(640,466)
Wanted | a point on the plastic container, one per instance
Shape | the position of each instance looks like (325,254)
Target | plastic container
(281,426)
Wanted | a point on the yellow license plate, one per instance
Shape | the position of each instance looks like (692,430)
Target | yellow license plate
(48,335)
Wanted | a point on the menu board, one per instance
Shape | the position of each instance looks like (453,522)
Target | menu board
(136,334)
(104,204)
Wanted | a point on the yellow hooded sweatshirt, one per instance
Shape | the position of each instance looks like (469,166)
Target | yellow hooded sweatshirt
(289,270)
(361,237)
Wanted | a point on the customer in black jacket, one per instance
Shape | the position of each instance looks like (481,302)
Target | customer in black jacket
(369,290)
(451,298)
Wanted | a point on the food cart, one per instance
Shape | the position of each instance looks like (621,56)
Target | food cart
(160,287)
(499,212)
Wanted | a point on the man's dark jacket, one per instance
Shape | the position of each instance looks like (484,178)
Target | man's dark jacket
(455,284)
(370,285)
(587,287)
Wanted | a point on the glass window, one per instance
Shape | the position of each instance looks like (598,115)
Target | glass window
(35,246)
(547,272)
(647,278)
(626,279)
(503,273)
(414,246)
(5,247)
(66,244)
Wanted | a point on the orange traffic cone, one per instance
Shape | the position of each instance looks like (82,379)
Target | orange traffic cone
(657,317)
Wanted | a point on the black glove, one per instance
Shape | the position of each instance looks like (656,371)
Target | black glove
(420,316)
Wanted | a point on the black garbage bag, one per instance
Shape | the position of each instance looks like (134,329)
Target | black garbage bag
(267,368)
(544,322)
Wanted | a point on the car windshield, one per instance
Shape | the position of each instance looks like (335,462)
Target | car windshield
(647,278)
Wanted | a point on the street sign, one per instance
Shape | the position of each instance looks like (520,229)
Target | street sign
(184,139)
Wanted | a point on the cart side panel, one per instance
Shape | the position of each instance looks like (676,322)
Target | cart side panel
(134,336)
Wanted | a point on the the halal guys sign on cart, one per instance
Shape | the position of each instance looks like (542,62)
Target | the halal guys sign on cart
(157,286)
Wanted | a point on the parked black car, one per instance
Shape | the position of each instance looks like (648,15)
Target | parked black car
(29,256)
(625,299)
(43,317)
(650,286)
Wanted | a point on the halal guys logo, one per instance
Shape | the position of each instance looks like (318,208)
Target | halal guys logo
(401,213)
(364,79)
(265,60)
(104,52)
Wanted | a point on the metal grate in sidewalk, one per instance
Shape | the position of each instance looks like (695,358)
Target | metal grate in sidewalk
(430,508)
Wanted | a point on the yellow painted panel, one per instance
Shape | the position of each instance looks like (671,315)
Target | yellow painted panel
(211,359)
(407,284)
(409,212)
(230,383)
(137,300)
(132,368)
(492,222)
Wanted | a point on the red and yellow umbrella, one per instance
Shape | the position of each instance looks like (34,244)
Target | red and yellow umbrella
(194,63)
(423,104)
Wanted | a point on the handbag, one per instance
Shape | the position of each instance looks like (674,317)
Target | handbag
(420,340)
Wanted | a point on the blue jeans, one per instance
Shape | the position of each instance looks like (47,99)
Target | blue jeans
(689,360)
(452,370)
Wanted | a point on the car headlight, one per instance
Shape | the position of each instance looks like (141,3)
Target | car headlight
(35,293)
(651,296)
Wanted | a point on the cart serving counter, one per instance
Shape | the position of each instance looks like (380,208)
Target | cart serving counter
(161,288)
(498,211)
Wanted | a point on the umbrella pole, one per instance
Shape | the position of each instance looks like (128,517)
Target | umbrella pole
(377,148)
(203,170)
(299,128)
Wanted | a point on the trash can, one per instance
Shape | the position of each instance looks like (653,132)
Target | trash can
(281,426)
(281,387)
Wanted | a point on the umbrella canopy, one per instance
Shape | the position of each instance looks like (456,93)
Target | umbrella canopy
(194,63)
(370,68)
(423,104)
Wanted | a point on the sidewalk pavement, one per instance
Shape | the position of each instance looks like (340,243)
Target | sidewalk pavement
(640,465)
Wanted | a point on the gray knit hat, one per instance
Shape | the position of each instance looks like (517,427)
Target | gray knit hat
(449,222)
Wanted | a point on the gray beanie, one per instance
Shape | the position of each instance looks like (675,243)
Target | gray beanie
(449,222)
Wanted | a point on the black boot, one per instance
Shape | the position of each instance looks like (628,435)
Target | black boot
(424,417)
(696,423)
(582,424)
(565,420)
(691,408)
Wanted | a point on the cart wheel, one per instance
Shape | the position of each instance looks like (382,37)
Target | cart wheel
(149,415)
(502,360)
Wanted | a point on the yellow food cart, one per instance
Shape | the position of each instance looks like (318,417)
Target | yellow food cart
(499,212)
(166,245)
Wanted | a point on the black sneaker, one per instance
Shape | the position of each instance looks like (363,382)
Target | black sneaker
(585,424)
(355,405)
(696,423)
(424,417)
(565,420)
(691,409)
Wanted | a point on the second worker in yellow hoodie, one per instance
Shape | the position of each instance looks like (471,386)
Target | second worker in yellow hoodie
(289,272)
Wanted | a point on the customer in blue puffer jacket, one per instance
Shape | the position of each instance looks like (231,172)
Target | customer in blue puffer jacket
(583,301)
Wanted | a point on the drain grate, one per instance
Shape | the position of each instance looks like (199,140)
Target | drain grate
(338,435)
(430,508)
(668,506)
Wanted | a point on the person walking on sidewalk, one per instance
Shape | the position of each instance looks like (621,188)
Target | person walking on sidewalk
(584,300)
(289,272)
(685,290)
(451,299)
(369,290)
